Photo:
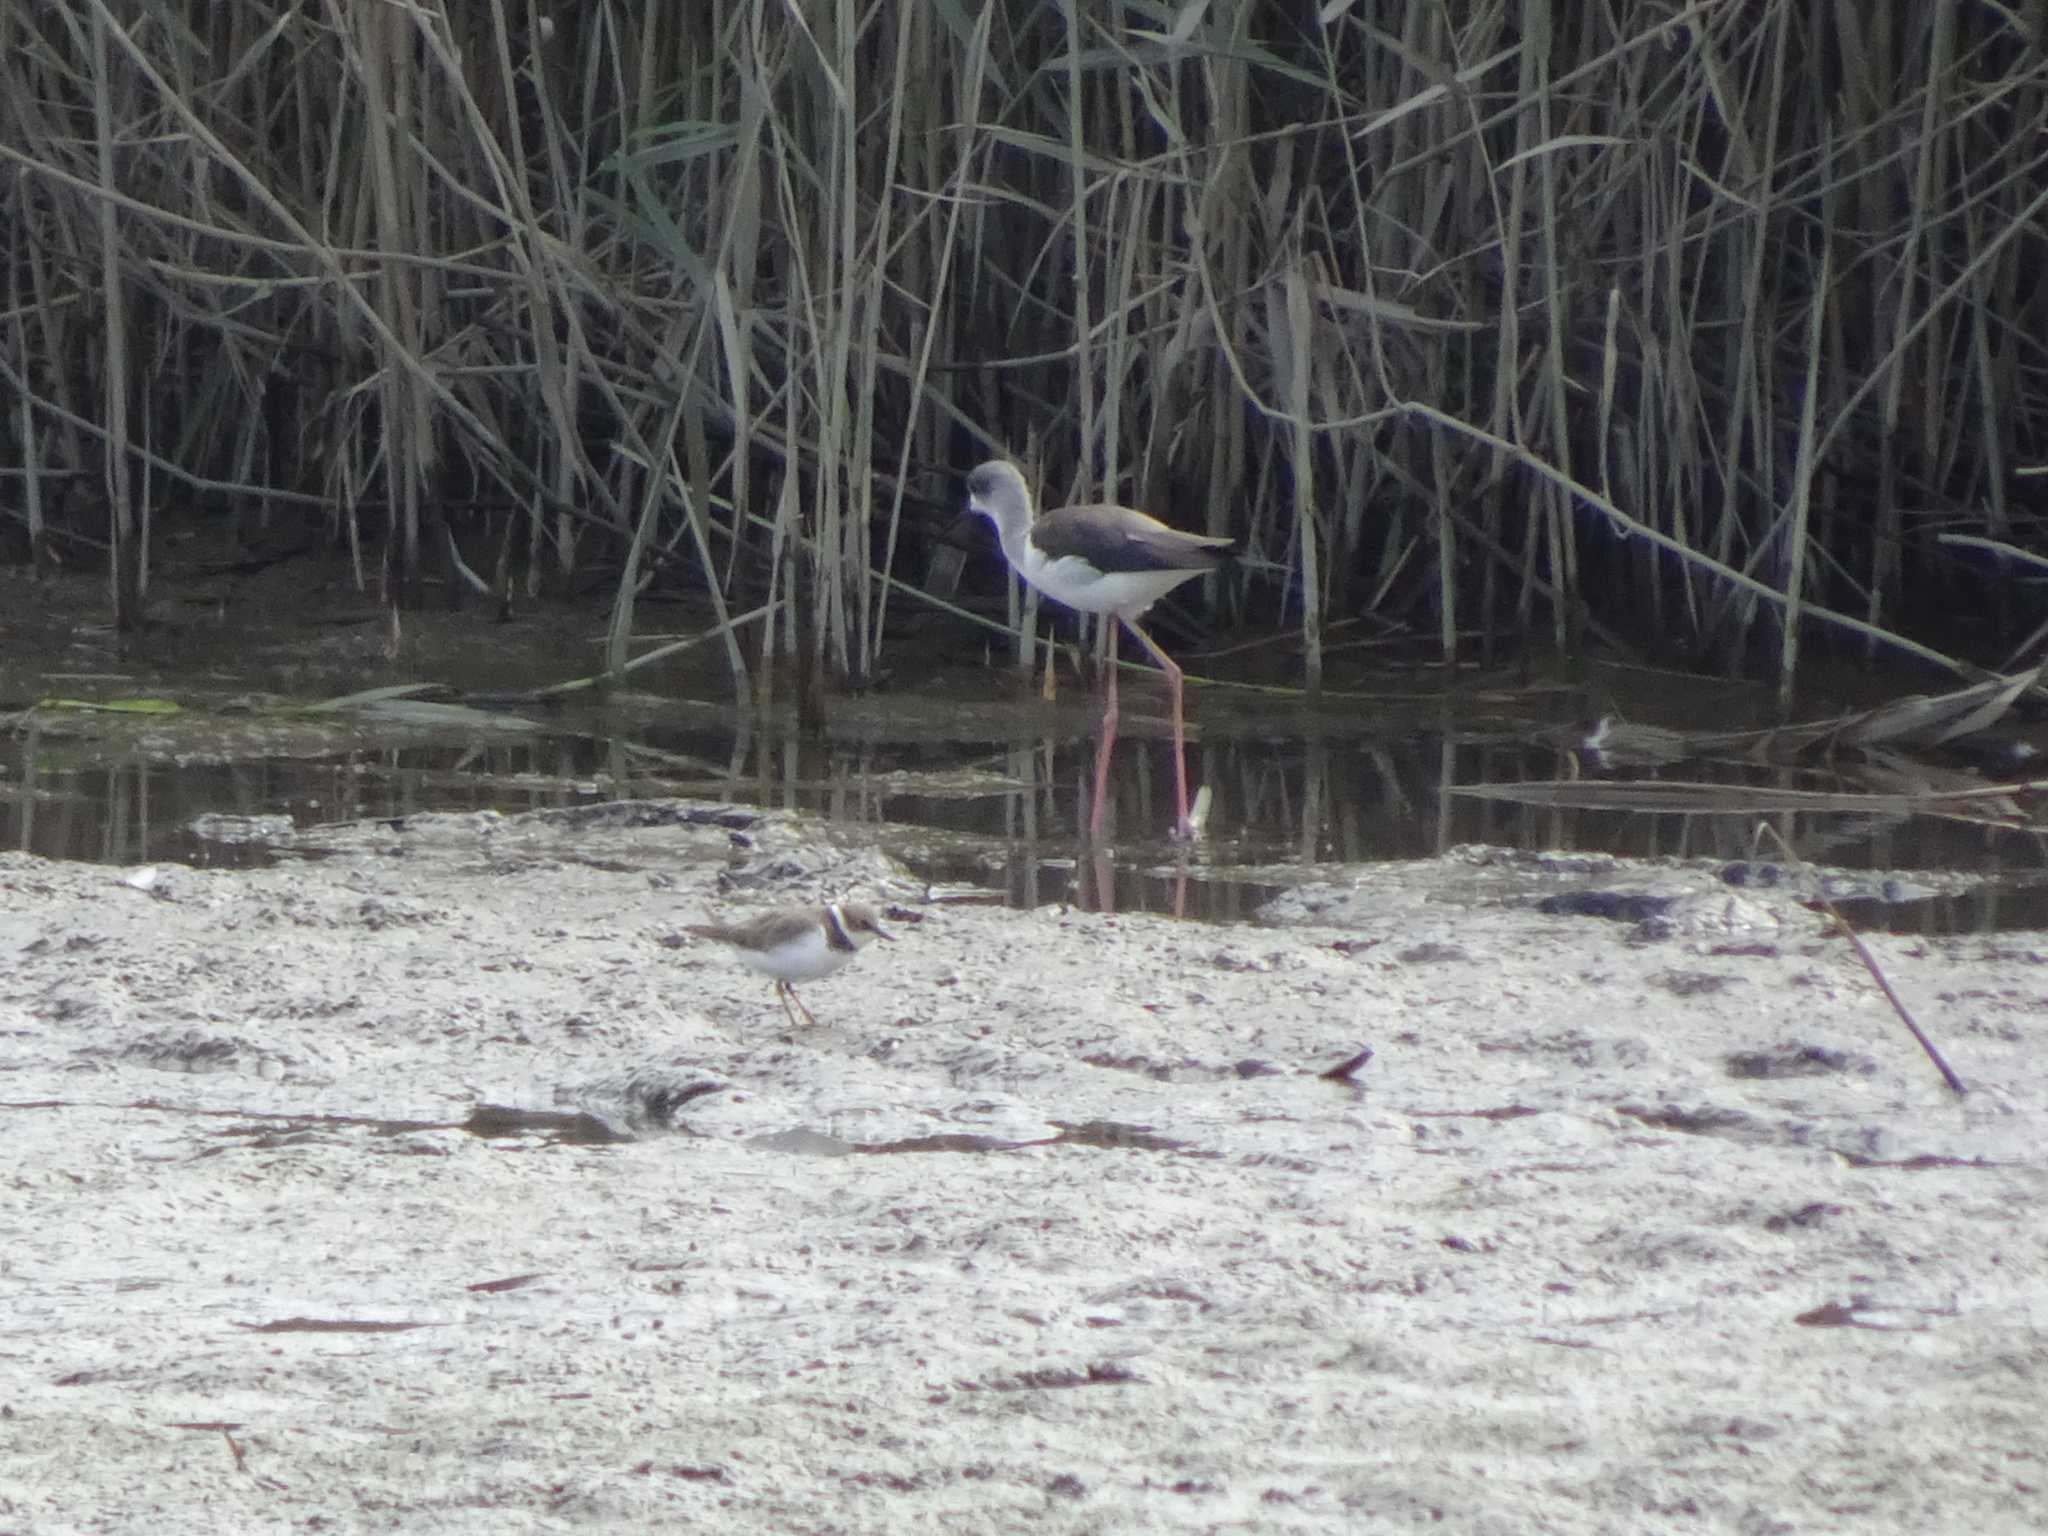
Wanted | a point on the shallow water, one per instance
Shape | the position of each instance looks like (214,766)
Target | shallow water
(1001,813)
(962,771)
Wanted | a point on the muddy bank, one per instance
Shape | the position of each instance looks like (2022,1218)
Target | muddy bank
(1051,1224)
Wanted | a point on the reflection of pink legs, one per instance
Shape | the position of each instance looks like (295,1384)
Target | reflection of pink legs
(1183,830)
(1097,880)
(1102,747)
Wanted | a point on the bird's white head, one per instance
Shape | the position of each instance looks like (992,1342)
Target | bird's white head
(997,491)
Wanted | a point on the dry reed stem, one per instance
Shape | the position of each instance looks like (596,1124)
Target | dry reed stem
(416,262)
(1948,1074)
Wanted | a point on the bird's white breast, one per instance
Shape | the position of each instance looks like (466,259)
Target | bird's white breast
(1073,581)
(804,958)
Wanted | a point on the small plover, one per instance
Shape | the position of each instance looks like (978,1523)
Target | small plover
(793,944)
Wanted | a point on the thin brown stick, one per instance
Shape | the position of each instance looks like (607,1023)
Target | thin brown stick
(1948,1075)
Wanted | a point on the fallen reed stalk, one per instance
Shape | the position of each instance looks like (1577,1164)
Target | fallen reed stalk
(1948,1073)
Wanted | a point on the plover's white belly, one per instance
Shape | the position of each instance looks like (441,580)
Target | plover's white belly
(802,959)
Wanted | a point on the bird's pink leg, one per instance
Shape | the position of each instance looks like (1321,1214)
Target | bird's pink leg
(1102,747)
(788,995)
(1182,830)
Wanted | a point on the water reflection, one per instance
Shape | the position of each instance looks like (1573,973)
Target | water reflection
(1291,793)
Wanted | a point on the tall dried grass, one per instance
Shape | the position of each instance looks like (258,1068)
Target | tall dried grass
(1698,328)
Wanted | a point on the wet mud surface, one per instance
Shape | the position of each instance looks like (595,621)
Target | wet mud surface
(431,1178)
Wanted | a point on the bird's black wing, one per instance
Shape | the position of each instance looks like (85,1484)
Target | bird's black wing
(1117,539)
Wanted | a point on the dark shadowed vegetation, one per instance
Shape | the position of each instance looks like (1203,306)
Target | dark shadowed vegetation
(1708,330)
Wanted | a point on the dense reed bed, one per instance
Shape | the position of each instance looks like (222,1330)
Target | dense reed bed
(1713,329)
